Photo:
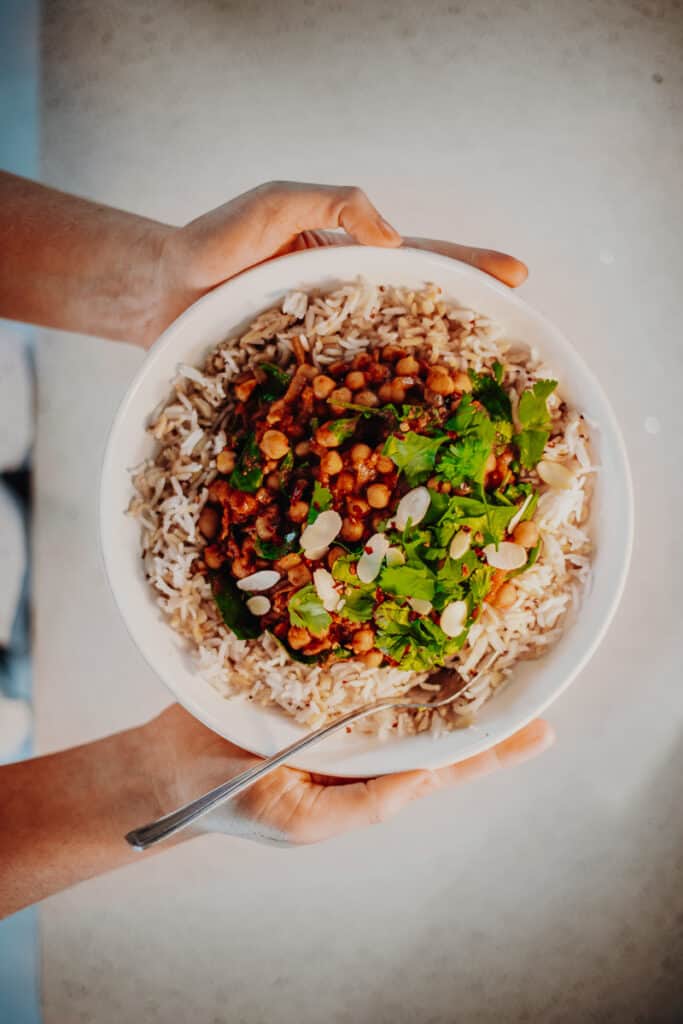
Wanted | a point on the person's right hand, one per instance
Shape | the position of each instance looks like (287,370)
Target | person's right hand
(276,219)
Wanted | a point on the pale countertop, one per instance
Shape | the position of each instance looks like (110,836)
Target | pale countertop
(552,893)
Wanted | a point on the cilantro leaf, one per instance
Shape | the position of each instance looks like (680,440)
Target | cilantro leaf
(531,445)
(450,583)
(248,475)
(270,550)
(359,604)
(491,394)
(321,499)
(480,584)
(414,455)
(306,609)
(232,607)
(408,581)
(498,372)
(533,408)
(466,458)
(341,570)
(415,643)
(276,382)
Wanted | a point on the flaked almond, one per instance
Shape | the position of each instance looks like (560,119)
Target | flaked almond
(262,580)
(507,556)
(323,581)
(556,475)
(460,544)
(395,556)
(258,604)
(517,518)
(453,618)
(419,605)
(412,507)
(371,560)
(322,532)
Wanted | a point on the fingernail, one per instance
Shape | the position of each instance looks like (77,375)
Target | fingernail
(532,740)
(387,230)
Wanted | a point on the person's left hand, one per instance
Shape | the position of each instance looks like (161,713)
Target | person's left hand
(273,220)
(292,807)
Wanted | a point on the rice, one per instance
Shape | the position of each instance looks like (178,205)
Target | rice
(171,489)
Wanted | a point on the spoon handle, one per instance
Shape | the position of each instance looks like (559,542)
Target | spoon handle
(156,831)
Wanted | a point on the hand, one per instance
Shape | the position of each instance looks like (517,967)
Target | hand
(279,218)
(292,807)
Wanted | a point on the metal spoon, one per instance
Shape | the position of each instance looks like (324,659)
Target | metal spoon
(452,685)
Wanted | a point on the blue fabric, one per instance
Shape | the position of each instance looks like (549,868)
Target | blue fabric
(19,78)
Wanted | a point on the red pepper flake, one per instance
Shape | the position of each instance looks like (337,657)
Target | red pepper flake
(394,725)
(348,728)
(368,549)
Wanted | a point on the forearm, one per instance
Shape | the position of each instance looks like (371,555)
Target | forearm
(69,263)
(63,817)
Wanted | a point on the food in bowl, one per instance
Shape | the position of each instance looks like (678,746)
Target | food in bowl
(363,486)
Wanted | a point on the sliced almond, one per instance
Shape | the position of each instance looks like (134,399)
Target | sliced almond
(412,507)
(263,580)
(371,560)
(517,518)
(460,544)
(322,532)
(419,605)
(507,556)
(453,618)
(323,581)
(395,556)
(258,604)
(556,475)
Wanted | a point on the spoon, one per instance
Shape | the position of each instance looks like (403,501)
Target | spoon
(452,686)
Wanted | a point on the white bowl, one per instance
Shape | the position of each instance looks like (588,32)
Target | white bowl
(231,307)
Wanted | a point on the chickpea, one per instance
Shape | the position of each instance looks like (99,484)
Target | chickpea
(363,640)
(358,507)
(288,561)
(244,388)
(439,380)
(506,597)
(298,511)
(303,449)
(378,495)
(360,453)
(368,398)
(273,481)
(490,463)
(264,527)
(525,534)
(398,392)
(317,645)
(298,637)
(333,554)
(346,482)
(213,557)
(355,380)
(384,464)
(331,463)
(326,437)
(299,575)
(225,462)
(385,392)
(240,568)
(407,366)
(351,530)
(339,396)
(274,444)
(390,353)
(462,383)
(361,361)
(209,521)
(323,386)
(373,659)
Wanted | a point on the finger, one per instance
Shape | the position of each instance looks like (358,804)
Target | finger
(530,741)
(505,268)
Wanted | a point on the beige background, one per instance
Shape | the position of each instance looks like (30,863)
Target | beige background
(552,893)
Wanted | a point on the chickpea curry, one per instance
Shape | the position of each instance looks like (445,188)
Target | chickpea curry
(368,508)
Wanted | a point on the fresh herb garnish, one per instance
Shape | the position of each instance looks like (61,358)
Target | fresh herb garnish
(415,643)
(276,383)
(359,604)
(408,581)
(535,422)
(491,394)
(248,474)
(414,455)
(306,609)
(343,429)
(270,550)
(232,607)
(321,499)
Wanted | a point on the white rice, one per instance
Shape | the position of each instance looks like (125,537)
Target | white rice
(171,490)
